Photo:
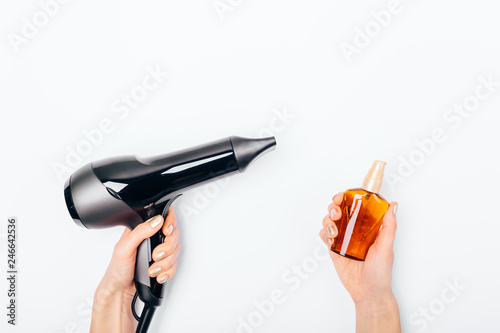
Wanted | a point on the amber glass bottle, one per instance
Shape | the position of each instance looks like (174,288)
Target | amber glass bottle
(362,212)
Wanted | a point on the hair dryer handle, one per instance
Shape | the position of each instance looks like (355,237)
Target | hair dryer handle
(149,290)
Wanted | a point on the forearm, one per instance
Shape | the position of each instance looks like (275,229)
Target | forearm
(380,316)
(111,312)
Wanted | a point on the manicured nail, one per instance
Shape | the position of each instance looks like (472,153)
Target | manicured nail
(170,229)
(395,209)
(330,230)
(155,221)
(328,241)
(333,213)
(155,271)
(163,278)
(159,256)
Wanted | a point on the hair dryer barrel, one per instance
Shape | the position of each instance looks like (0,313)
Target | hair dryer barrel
(127,190)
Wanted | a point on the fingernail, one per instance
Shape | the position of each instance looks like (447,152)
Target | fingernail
(330,230)
(155,271)
(395,209)
(155,221)
(160,255)
(333,213)
(328,241)
(163,278)
(170,229)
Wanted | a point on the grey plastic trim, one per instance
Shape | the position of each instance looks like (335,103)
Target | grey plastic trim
(95,206)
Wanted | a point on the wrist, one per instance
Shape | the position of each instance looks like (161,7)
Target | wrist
(386,298)
(380,314)
(109,296)
(106,299)
(111,309)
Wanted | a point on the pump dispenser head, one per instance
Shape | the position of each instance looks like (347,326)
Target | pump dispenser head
(373,180)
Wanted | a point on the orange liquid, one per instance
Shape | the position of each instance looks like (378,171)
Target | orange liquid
(362,214)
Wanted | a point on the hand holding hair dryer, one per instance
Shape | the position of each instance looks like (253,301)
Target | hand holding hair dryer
(129,190)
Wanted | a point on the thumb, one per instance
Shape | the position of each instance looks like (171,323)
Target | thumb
(143,231)
(387,233)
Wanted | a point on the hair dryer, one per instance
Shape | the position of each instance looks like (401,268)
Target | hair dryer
(129,190)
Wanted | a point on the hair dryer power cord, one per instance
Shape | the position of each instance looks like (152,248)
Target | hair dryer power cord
(133,307)
(146,316)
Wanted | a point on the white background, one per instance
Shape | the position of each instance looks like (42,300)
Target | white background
(232,76)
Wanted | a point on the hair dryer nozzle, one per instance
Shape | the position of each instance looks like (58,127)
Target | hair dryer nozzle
(247,150)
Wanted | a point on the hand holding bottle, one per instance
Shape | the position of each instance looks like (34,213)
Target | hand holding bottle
(368,282)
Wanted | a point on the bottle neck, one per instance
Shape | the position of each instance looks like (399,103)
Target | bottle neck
(372,185)
(373,180)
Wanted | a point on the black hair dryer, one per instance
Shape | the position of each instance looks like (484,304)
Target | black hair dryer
(129,190)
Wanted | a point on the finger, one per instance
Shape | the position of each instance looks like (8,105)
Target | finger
(128,245)
(387,232)
(167,247)
(327,220)
(332,231)
(330,227)
(164,277)
(170,222)
(334,211)
(324,237)
(163,265)
(337,199)
(125,234)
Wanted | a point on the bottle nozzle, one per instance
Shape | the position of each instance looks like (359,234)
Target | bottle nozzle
(373,180)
